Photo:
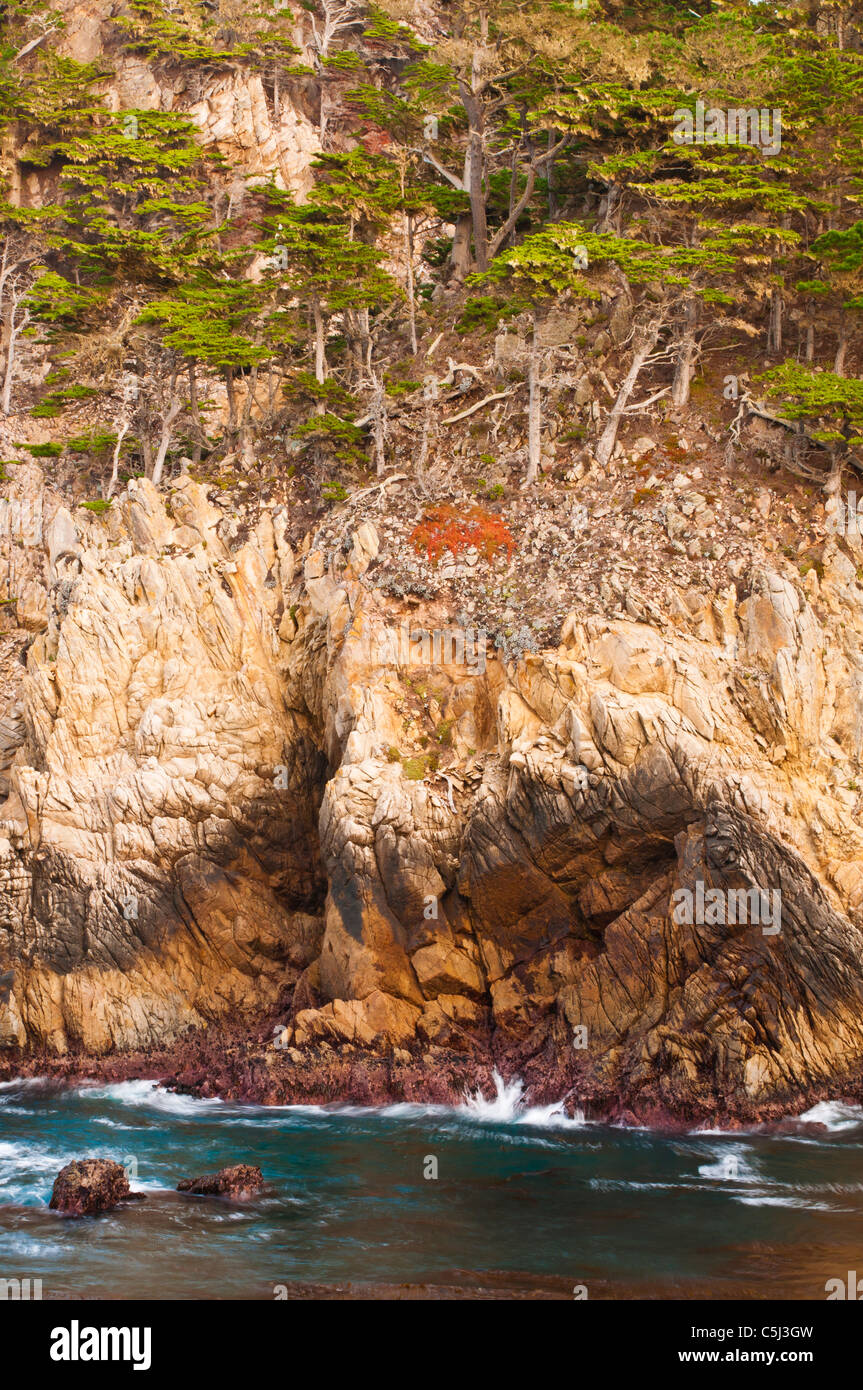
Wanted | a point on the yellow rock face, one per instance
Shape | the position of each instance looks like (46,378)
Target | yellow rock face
(227,778)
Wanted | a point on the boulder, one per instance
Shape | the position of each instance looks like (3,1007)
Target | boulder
(88,1186)
(240,1181)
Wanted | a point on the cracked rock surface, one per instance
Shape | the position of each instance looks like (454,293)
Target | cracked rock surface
(235,798)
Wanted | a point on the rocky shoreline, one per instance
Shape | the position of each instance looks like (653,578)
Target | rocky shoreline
(228,1068)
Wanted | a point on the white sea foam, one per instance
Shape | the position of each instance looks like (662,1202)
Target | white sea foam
(8,1150)
(150,1093)
(24,1083)
(800,1203)
(834,1115)
(410,1110)
(731,1165)
(14,1157)
(507,1107)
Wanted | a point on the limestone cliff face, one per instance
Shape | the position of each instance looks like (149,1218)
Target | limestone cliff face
(218,808)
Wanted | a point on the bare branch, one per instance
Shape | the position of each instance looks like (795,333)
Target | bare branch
(454,179)
(642,405)
(498,396)
(34,43)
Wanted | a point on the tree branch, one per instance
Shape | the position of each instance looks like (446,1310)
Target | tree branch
(487,400)
(444,173)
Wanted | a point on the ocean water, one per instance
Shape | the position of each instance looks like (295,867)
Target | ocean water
(526,1202)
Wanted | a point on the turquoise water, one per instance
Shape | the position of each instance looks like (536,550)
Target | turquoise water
(525,1203)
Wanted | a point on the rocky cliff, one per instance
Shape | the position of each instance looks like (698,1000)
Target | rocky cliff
(222,816)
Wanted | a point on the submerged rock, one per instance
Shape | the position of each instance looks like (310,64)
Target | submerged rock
(88,1186)
(797,1127)
(240,1181)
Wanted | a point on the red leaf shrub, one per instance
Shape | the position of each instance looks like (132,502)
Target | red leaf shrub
(447,528)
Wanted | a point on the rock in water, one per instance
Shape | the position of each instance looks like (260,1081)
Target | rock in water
(240,1181)
(89,1185)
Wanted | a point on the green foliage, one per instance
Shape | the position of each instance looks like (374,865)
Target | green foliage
(398,386)
(334,493)
(834,401)
(54,300)
(133,211)
(304,386)
(558,260)
(418,767)
(340,438)
(179,34)
(56,401)
(95,442)
(42,451)
(482,312)
(382,26)
(317,257)
(131,197)
(209,320)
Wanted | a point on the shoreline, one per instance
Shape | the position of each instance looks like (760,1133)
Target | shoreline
(235,1067)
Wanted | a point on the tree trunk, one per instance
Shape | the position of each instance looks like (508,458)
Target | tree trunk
(409,262)
(612,202)
(15,329)
(460,254)
(842,347)
(379,425)
(165,441)
(685,359)
(5,341)
(774,335)
(324,111)
(552,187)
(232,398)
(477,202)
(6,399)
(367,339)
(249,402)
(359,351)
(422,456)
(513,177)
(608,438)
(534,408)
(196,412)
(193,396)
(474,174)
(115,462)
(320,352)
